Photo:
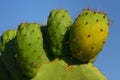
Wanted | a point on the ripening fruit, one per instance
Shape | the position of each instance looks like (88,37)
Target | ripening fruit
(88,34)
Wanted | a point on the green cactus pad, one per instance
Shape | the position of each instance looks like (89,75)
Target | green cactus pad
(83,72)
(51,71)
(88,34)
(4,74)
(8,51)
(59,22)
(30,45)
(59,70)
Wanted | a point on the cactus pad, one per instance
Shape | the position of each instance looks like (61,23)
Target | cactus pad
(59,22)
(30,45)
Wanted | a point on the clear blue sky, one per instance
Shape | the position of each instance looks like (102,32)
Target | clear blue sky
(13,12)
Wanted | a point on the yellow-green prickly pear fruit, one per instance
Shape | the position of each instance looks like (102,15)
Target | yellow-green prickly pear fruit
(88,34)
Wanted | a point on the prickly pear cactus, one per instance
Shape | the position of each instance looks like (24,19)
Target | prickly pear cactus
(30,45)
(59,22)
(88,34)
(4,74)
(83,72)
(8,54)
(52,70)
(59,50)
(59,70)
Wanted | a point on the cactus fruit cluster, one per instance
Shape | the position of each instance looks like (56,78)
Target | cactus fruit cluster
(61,50)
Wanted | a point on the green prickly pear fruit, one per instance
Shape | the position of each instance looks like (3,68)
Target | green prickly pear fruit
(4,74)
(8,51)
(59,22)
(30,46)
(88,34)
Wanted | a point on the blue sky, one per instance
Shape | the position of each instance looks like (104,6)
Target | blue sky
(13,12)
